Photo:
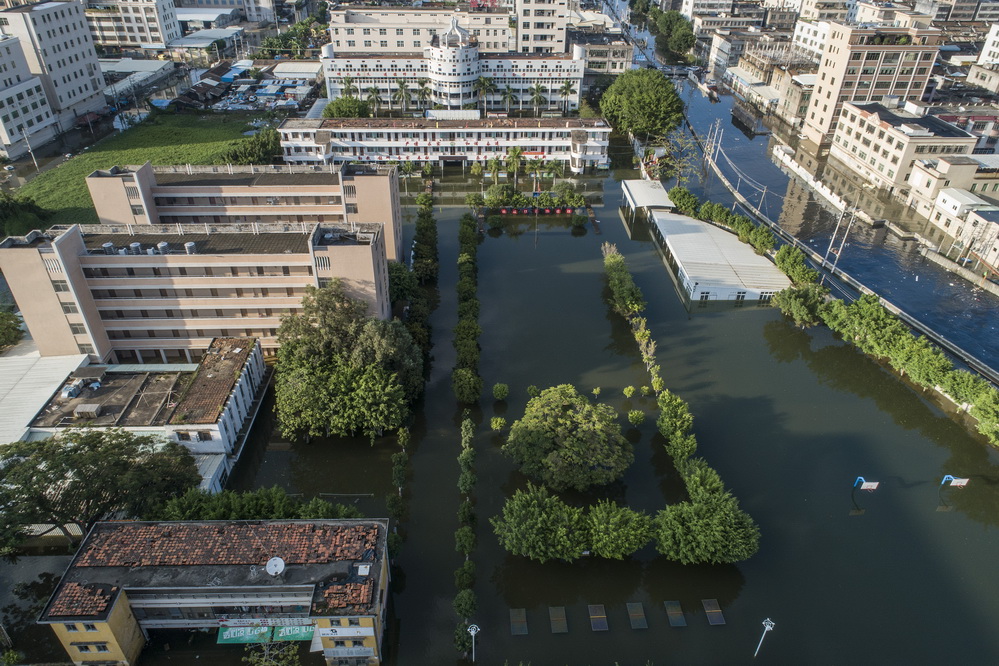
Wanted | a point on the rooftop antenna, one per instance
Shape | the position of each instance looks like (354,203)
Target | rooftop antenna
(275,566)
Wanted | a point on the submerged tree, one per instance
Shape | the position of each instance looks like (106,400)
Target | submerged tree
(566,441)
(540,526)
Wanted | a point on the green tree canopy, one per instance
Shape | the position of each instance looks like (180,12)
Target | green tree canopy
(347,107)
(10,328)
(342,372)
(642,102)
(616,532)
(261,504)
(566,441)
(712,531)
(540,526)
(801,304)
(81,476)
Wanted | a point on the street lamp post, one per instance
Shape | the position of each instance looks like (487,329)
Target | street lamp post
(473,629)
(768,625)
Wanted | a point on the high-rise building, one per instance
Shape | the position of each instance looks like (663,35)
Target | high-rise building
(541,26)
(26,117)
(59,50)
(865,63)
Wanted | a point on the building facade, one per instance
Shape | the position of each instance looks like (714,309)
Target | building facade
(541,26)
(360,29)
(118,25)
(868,64)
(152,293)
(324,581)
(59,50)
(449,69)
(579,142)
(26,117)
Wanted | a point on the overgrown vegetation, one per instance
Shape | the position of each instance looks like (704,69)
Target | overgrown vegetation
(261,504)
(561,196)
(343,372)
(761,238)
(161,139)
(464,576)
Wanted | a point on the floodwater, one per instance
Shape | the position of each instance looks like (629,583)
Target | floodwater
(789,418)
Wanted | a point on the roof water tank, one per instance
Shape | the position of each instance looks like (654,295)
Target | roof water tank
(135,248)
(190,247)
(108,248)
(163,247)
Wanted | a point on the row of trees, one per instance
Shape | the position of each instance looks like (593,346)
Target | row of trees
(761,238)
(341,371)
(465,603)
(301,40)
(708,526)
(465,379)
(261,504)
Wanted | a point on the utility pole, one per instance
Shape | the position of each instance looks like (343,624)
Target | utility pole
(768,625)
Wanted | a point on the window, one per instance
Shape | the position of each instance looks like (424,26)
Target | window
(204,436)
(78,329)
(70,627)
(83,648)
(102,647)
(89,627)
(184,436)
(69,308)
(86,349)
(60,285)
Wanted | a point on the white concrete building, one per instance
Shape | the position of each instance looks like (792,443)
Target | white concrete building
(881,144)
(541,26)
(580,142)
(26,117)
(692,8)
(132,24)
(253,10)
(361,29)
(985,73)
(810,37)
(450,66)
(59,50)
(977,174)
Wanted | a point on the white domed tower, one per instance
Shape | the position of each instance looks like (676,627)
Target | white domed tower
(453,66)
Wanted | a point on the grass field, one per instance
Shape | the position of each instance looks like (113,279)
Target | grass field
(164,139)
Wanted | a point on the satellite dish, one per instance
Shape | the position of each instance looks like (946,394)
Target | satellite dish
(275,566)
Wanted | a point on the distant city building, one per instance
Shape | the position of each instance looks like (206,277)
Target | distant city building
(124,25)
(603,53)
(542,26)
(322,581)
(449,67)
(824,10)
(727,46)
(581,143)
(976,174)
(881,144)
(26,117)
(748,17)
(867,64)
(57,48)
(810,37)
(985,73)
(254,10)
(362,29)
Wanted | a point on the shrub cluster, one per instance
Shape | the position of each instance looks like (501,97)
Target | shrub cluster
(465,379)
(505,195)
(464,537)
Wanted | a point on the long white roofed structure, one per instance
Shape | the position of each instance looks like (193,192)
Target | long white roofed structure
(712,264)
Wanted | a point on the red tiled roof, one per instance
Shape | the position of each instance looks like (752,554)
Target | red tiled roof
(217,374)
(76,600)
(353,597)
(190,544)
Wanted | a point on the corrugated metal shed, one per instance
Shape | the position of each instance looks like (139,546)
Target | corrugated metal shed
(27,381)
(716,260)
(646,194)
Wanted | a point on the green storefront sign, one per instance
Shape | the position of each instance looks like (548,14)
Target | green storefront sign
(297,633)
(245,634)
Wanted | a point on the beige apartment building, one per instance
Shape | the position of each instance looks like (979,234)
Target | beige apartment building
(339,196)
(360,29)
(881,145)
(161,293)
(867,64)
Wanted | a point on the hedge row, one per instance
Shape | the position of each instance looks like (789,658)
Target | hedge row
(709,526)
(761,238)
(465,379)
(464,539)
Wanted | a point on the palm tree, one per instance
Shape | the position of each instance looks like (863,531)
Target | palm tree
(509,97)
(538,99)
(534,168)
(554,169)
(514,156)
(423,92)
(565,92)
(402,94)
(347,87)
(374,98)
(408,169)
(494,165)
(484,86)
